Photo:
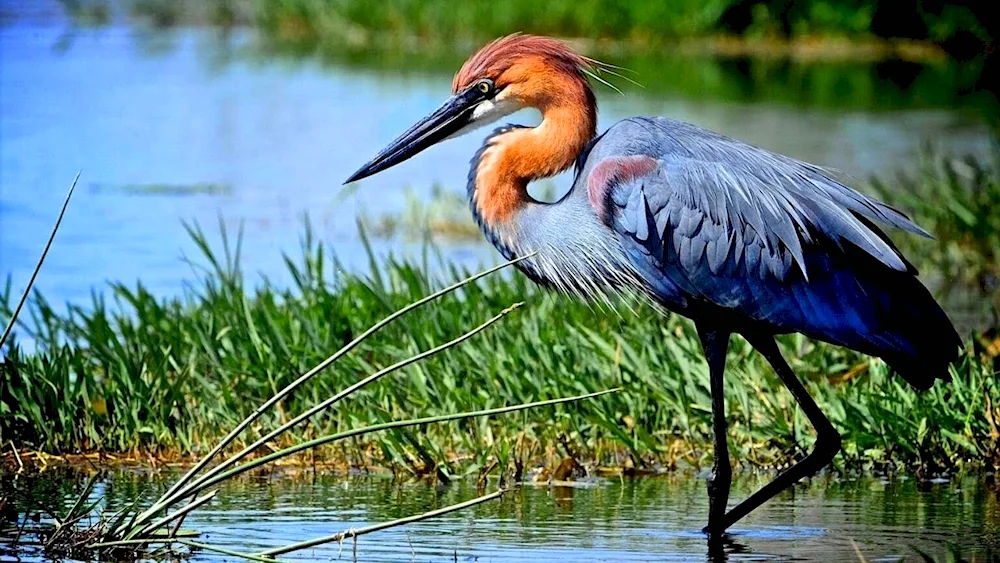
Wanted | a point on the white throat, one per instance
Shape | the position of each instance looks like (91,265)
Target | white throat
(489,111)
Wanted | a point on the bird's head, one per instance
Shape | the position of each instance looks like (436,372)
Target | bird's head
(508,74)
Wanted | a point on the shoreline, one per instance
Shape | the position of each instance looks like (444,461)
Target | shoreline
(537,470)
(810,48)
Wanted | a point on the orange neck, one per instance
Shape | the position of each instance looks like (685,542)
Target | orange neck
(512,159)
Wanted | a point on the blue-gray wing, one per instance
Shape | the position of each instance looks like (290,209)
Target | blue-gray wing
(721,221)
(709,219)
(715,200)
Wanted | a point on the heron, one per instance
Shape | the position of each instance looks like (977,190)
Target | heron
(738,239)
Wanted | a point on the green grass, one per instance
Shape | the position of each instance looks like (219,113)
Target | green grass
(132,373)
(137,531)
(129,372)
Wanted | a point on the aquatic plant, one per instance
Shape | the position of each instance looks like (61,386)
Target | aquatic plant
(161,376)
(12,317)
(131,531)
(132,373)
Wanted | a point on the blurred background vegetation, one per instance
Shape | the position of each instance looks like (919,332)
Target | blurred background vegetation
(961,29)
(833,53)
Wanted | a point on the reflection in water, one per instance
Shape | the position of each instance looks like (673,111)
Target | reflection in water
(191,124)
(646,519)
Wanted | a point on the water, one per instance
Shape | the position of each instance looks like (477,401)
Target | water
(648,519)
(191,124)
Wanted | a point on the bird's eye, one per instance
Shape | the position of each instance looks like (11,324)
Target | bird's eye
(485,86)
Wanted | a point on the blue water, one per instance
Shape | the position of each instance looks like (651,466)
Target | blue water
(647,519)
(193,125)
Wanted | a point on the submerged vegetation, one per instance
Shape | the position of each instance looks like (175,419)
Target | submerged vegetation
(133,373)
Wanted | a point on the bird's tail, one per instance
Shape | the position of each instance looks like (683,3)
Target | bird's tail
(917,339)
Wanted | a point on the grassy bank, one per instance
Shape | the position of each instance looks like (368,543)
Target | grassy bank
(962,28)
(133,373)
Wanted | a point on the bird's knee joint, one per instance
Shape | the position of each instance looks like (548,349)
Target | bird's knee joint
(834,441)
(828,443)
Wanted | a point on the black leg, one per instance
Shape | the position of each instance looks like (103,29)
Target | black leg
(827,438)
(715,344)
(720,548)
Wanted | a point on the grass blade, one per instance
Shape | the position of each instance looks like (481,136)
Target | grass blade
(291,450)
(153,526)
(361,384)
(172,493)
(224,551)
(352,533)
(199,483)
(38,266)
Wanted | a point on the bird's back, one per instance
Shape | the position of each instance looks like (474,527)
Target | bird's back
(719,228)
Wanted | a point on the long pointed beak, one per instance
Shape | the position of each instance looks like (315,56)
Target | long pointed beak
(453,115)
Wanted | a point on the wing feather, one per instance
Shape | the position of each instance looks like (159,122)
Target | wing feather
(720,221)
(713,200)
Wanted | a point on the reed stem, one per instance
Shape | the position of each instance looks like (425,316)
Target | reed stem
(38,265)
(257,413)
(201,482)
(291,450)
(353,533)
